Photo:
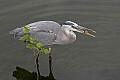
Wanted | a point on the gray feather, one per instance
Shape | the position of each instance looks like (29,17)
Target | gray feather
(17,32)
(45,31)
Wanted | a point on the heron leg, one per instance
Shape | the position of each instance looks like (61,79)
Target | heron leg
(37,64)
(50,60)
(50,64)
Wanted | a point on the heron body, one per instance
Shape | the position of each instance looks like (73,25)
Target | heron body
(50,32)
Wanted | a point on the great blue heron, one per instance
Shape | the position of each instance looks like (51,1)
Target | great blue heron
(50,32)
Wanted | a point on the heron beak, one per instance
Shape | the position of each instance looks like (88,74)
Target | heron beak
(86,31)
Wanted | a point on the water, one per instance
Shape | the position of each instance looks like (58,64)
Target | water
(86,59)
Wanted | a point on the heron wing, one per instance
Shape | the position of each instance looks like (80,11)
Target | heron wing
(45,31)
(45,38)
(45,26)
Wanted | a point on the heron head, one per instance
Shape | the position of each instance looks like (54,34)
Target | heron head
(75,27)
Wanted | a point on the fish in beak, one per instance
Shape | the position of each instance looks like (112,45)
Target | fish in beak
(85,31)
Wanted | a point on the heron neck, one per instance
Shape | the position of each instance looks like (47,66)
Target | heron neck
(71,36)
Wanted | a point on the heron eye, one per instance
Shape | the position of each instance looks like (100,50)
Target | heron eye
(73,26)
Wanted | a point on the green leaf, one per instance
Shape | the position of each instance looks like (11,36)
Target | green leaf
(39,45)
(41,49)
(26,29)
(25,37)
(30,46)
(46,51)
(33,42)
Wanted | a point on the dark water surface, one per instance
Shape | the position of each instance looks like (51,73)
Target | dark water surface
(86,59)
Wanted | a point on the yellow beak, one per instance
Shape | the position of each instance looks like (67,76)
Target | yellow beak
(87,33)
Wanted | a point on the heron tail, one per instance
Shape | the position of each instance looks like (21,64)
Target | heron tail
(17,32)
